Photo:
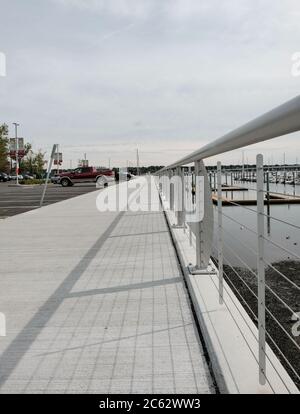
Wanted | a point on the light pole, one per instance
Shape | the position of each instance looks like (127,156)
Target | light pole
(17,150)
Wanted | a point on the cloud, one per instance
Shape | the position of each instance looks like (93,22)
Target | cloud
(163,74)
(124,8)
(117,32)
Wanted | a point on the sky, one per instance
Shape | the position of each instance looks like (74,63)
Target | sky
(104,77)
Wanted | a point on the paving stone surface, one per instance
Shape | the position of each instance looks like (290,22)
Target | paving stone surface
(95,303)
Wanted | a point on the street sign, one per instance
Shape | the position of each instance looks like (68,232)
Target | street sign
(13,148)
(58,158)
(13,144)
(53,153)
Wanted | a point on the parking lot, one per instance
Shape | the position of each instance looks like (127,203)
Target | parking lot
(15,200)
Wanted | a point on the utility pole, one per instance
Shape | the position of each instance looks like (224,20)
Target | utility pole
(17,151)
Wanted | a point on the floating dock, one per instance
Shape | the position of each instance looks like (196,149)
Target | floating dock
(273,199)
(231,188)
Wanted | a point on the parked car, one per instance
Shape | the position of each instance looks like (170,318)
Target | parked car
(28,177)
(87,175)
(4,177)
(14,177)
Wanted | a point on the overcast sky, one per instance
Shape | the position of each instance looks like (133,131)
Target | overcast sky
(168,76)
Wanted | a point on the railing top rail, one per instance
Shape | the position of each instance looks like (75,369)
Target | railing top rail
(280,121)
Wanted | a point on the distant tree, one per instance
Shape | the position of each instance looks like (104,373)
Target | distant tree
(39,163)
(143,170)
(4,147)
(27,148)
(33,162)
(27,163)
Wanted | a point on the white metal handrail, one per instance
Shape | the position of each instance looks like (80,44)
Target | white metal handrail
(282,120)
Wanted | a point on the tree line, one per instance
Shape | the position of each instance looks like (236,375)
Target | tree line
(33,162)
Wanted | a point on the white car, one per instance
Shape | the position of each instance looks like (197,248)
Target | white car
(14,177)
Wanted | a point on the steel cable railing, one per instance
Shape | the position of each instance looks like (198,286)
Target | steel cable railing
(267,309)
(255,253)
(271,290)
(280,300)
(273,293)
(188,187)
(265,215)
(266,239)
(266,262)
(254,317)
(255,275)
(271,192)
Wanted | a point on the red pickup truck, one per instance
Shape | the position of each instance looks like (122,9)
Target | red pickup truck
(101,176)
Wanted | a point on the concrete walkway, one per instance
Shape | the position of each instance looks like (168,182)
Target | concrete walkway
(95,302)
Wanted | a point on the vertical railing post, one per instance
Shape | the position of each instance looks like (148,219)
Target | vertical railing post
(261,270)
(179,197)
(215,185)
(220,231)
(171,191)
(168,189)
(202,221)
(190,202)
(181,216)
(160,184)
(198,225)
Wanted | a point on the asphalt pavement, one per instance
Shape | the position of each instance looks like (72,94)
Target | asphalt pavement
(15,200)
